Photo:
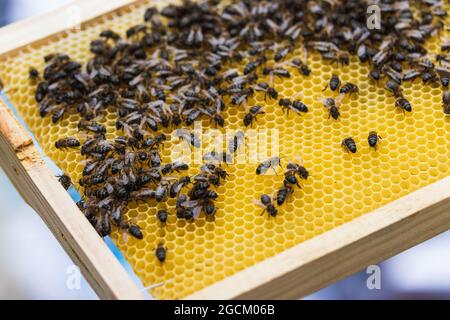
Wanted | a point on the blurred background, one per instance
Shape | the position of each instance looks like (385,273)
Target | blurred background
(34,266)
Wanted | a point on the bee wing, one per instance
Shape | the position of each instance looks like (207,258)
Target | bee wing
(258,203)
(191,203)
(300,160)
(181,132)
(443,71)
(197,211)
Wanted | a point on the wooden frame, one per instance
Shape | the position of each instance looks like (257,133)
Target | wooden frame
(296,272)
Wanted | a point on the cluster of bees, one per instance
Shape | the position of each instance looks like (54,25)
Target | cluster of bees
(177,67)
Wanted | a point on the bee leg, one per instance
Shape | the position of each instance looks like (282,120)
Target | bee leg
(325,87)
(263,212)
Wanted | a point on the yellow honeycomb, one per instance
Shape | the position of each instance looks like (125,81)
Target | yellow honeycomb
(414,152)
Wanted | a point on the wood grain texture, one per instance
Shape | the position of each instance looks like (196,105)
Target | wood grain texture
(342,251)
(26,169)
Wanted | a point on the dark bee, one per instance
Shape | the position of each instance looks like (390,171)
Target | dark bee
(209,208)
(162,216)
(281,53)
(33,74)
(58,114)
(375,74)
(298,169)
(154,142)
(334,83)
(290,179)
(236,141)
(446,102)
(349,88)
(136,231)
(349,144)
(268,90)
(218,157)
(394,87)
(298,107)
(161,253)
(251,115)
(373,139)
(301,67)
(67,143)
(269,207)
(92,180)
(189,137)
(279,72)
(250,67)
(143,195)
(176,187)
(65,181)
(283,193)
(161,190)
(2,87)
(91,126)
(266,165)
(403,104)
(109,34)
(330,104)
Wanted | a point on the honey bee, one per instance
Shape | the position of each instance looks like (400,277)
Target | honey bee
(33,73)
(333,109)
(283,193)
(161,253)
(176,187)
(300,66)
(403,104)
(64,143)
(135,231)
(252,114)
(162,216)
(268,90)
(394,87)
(298,169)
(237,140)
(65,181)
(349,144)
(267,164)
(281,53)
(373,139)
(266,202)
(290,179)
(446,102)
(334,83)
(91,126)
(349,88)
(189,137)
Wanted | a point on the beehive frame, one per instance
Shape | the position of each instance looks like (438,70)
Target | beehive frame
(295,272)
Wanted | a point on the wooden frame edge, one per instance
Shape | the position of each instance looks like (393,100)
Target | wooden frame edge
(41,190)
(16,35)
(324,259)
